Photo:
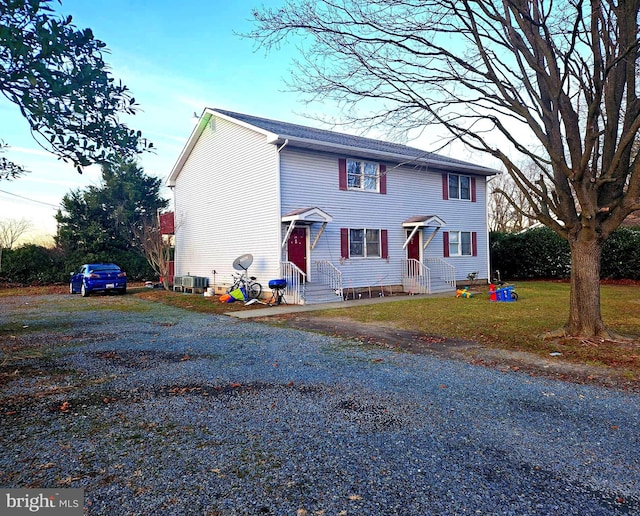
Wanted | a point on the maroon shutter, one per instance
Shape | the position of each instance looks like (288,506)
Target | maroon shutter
(473,189)
(384,243)
(342,174)
(474,243)
(383,179)
(344,242)
(445,241)
(445,187)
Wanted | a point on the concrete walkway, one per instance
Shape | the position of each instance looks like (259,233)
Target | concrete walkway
(290,309)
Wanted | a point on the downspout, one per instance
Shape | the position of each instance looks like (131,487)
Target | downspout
(486,219)
(279,194)
(286,142)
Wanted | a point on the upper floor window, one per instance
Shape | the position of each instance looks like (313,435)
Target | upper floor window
(459,187)
(455,186)
(362,175)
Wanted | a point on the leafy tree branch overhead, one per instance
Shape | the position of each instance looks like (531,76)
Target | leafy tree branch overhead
(55,74)
(554,83)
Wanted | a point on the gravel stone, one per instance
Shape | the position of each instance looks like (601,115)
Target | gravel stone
(156,410)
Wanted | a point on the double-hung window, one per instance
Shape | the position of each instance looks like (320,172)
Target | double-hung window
(460,243)
(455,186)
(362,175)
(459,187)
(364,243)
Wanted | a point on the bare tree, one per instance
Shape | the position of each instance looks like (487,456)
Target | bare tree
(155,246)
(509,209)
(553,82)
(10,232)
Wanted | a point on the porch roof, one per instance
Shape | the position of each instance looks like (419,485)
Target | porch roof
(423,221)
(307,215)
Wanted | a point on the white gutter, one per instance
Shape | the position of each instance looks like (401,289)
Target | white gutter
(392,156)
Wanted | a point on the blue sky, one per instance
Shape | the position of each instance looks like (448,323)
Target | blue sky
(177,59)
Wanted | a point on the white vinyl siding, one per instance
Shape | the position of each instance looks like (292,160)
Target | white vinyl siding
(226,204)
(310,179)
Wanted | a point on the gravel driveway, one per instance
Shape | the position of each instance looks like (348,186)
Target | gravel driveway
(155,410)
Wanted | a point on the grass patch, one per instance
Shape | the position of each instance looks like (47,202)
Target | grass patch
(195,302)
(519,326)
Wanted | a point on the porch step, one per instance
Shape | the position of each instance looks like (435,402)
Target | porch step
(438,286)
(316,293)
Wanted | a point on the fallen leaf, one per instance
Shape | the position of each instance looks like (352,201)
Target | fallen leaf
(65,407)
(354,497)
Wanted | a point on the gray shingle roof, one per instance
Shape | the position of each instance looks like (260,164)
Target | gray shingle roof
(295,131)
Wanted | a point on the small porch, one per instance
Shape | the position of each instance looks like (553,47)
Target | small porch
(308,281)
(422,274)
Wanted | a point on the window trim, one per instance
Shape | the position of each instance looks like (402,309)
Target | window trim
(383,244)
(363,176)
(365,243)
(473,244)
(446,190)
(343,176)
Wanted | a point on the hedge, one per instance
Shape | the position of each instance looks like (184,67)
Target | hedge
(540,253)
(32,264)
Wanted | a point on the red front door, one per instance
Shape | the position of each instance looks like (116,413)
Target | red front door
(297,248)
(413,247)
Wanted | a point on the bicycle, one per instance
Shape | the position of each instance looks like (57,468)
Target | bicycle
(248,284)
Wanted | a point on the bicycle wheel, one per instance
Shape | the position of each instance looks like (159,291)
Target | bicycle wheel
(254,290)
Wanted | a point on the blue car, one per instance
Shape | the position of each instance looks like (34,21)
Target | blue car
(98,277)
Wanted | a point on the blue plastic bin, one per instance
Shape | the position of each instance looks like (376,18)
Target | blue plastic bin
(504,295)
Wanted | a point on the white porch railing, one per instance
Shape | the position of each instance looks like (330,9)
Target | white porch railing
(442,270)
(330,275)
(296,280)
(416,277)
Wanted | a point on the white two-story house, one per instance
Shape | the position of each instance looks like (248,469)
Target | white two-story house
(333,214)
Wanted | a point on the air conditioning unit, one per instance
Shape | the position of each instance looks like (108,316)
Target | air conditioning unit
(177,281)
(194,281)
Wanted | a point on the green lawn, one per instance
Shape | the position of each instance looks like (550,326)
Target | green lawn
(542,307)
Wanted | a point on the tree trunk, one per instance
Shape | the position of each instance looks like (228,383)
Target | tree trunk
(585,317)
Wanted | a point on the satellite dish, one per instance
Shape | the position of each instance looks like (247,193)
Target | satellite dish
(242,263)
